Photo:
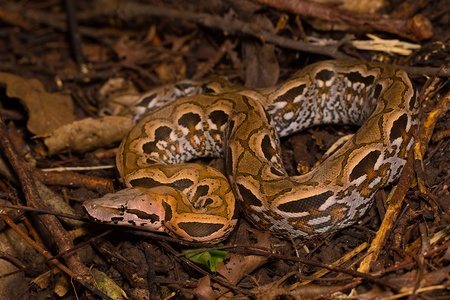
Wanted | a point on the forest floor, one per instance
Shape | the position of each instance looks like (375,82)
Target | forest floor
(67,65)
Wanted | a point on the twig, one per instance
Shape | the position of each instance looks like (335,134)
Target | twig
(340,261)
(52,260)
(416,28)
(75,37)
(425,133)
(391,215)
(415,157)
(206,67)
(67,178)
(430,71)
(219,280)
(64,241)
(39,248)
(408,9)
(150,257)
(253,250)
(131,10)
(14,18)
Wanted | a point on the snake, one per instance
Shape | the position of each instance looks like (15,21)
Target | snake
(167,191)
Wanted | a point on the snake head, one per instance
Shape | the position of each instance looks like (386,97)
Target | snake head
(133,207)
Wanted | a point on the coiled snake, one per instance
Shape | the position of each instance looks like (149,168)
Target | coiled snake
(196,203)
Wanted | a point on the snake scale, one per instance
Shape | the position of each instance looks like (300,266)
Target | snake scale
(195,202)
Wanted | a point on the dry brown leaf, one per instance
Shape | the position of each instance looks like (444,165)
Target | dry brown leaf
(62,286)
(260,61)
(261,65)
(129,50)
(434,280)
(116,96)
(88,134)
(46,111)
(240,265)
(171,71)
(54,202)
(204,290)
(44,280)
(14,285)
(107,285)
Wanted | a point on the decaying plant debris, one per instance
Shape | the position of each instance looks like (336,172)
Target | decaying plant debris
(63,64)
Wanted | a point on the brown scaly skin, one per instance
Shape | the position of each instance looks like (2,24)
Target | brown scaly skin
(243,126)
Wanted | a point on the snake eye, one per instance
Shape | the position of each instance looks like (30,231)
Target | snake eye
(122,208)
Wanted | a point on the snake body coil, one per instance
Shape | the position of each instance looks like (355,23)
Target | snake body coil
(195,202)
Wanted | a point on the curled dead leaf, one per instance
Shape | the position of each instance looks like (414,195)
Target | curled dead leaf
(204,290)
(88,134)
(46,111)
(239,265)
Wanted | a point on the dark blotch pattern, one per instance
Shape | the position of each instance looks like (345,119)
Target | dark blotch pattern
(325,75)
(277,172)
(306,204)
(218,117)
(189,120)
(357,77)
(248,196)
(291,94)
(146,101)
(116,219)
(147,182)
(168,211)
(398,128)
(183,86)
(144,216)
(202,190)
(412,103)
(209,201)
(229,161)
(182,184)
(231,127)
(197,229)
(267,148)
(207,90)
(161,134)
(377,91)
(144,182)
(366,165)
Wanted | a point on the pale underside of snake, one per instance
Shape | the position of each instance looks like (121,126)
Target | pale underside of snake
(196,202)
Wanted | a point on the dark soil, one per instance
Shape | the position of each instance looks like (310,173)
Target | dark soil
(175,42)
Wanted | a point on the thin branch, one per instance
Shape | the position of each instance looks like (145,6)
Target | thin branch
(429,71)
(417,28)
(75,37)
(64,241)
(131,10)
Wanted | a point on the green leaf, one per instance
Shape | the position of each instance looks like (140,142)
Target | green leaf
(207,259)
